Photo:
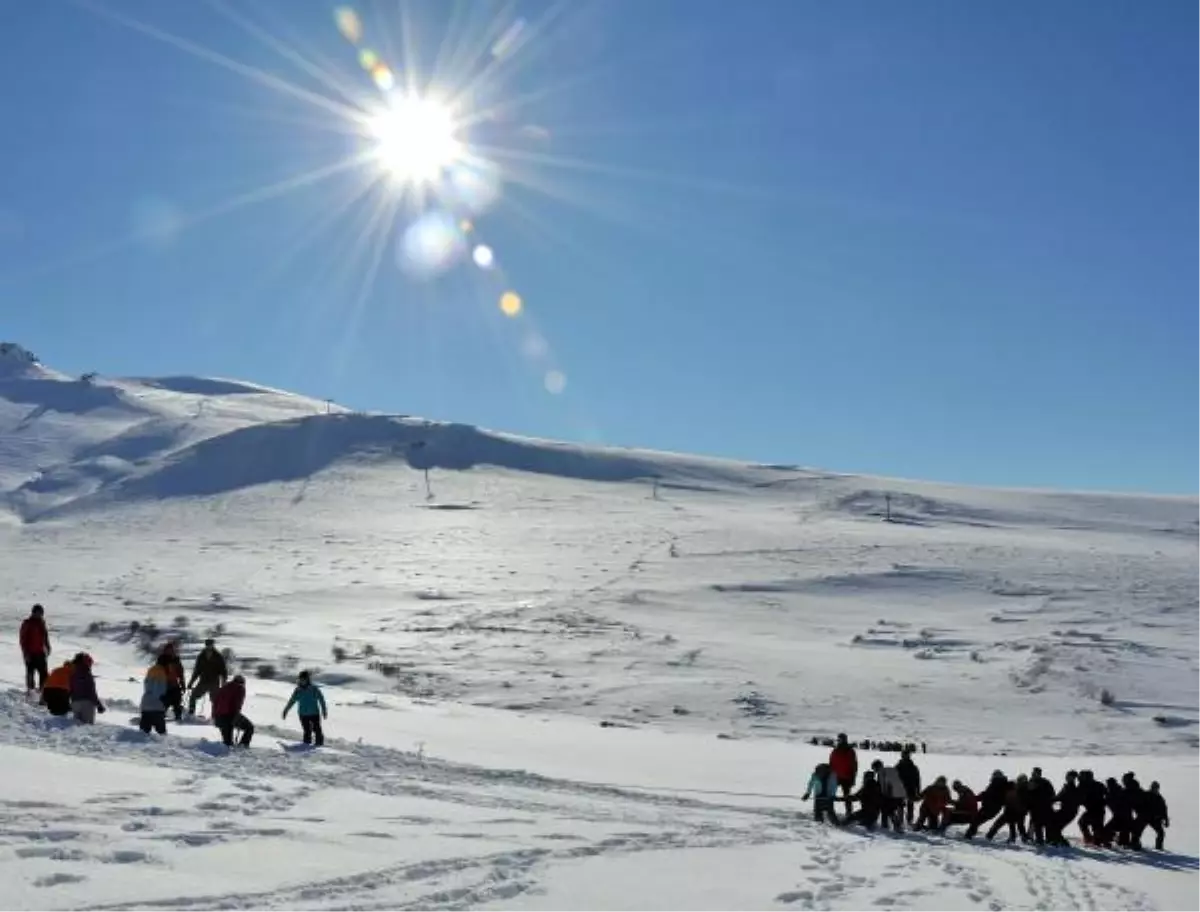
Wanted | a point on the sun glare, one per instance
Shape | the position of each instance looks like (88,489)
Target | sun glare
(416,138)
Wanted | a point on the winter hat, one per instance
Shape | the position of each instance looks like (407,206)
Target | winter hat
(941,780)
(304,676)
(210,642)
(238,679)
(39,610)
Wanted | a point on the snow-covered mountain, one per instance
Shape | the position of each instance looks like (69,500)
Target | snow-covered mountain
(560,675)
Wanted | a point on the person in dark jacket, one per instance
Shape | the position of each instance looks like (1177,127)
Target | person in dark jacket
(870,803)
(1135,803)
(1121,821)
(843,761)
(1069,799)
(35,647)
(1014,811)
(227,712)
(85,702)
(1040,801)
(173,666)
(910,775)
(1094,798)
(991,802)
(209,675)
(1154,815)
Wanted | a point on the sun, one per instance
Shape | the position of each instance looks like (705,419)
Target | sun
(416,138)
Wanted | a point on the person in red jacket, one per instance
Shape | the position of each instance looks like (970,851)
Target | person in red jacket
(227,712)
(35,647)
(843,763)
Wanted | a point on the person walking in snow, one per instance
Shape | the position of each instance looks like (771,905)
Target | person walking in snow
(1094,798)
(85,702)
(822,786)
(209,675)
(57,692)
(34,638)
(894,795)
(1040,801)
(1154,815)
(156,692)
(227,712)
(935,806)
(843,762)
(1014,811)
(991,802)
(1069,798)
(870,803)
(1122,816)
(170,661)
(310,705)
(965,806)
(910,775)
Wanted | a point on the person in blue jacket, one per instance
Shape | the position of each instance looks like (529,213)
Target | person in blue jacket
(310,704)
(822,786)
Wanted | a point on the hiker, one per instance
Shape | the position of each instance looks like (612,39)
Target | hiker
(991,802)
(894,796)
(910,775)
(156,695)
(822,786)
(1127,802)
(1040,801)
(935,806)
(57,692)
(209,675)
(1094,799)
(1154,815)
(227,712)
(171,663)
(85,702)
(965,806)
(1121,822)
(1014,811)
(1069,798)
(35,647)
(310,705)
(843,763)
(870,801)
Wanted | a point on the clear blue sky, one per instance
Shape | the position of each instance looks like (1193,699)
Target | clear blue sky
(943,240)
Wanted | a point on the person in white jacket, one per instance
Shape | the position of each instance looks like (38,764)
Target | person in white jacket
(891,785)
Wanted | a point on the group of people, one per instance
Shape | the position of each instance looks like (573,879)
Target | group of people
(892,796)
(71,688)
(882,747)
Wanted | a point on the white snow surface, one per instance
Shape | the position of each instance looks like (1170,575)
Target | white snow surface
(561,676)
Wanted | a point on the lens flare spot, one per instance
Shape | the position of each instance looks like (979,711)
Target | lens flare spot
(556,382)
(368,59)
(484,257)
(510,303)
(383,78)
(534,346)
(465,226)
(348,24)
(431,245)
(510,40)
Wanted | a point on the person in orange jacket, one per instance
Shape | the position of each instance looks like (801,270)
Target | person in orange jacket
(57,692)
(843,763)
(173,667)
(935,806)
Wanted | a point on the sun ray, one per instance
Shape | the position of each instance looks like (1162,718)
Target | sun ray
(262,77)
(289,53)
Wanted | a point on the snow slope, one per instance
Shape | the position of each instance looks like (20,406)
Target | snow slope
(624,624)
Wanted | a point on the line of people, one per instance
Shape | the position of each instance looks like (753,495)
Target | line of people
(71,688)
(892,796)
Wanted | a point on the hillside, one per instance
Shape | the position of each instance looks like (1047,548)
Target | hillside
(563,658)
